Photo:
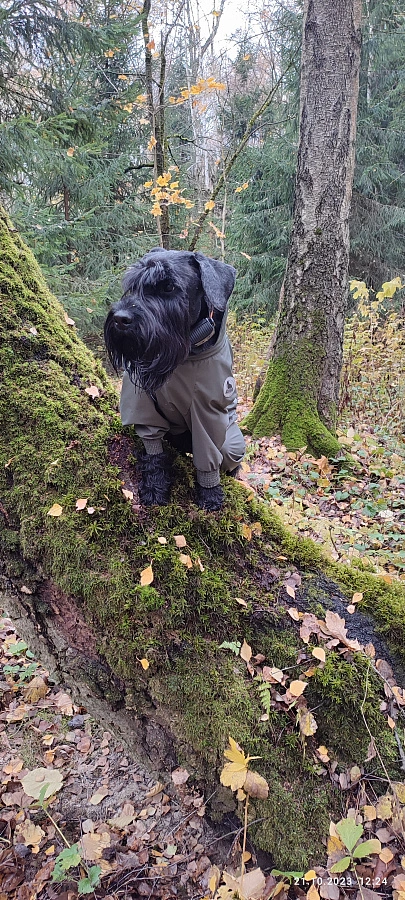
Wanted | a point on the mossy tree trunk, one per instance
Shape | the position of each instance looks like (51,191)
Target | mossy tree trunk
(72,583)
(299,398)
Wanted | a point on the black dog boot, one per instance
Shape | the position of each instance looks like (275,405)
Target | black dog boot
(210,498)
(155,479)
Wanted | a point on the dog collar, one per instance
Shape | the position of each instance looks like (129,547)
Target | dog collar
(203,331)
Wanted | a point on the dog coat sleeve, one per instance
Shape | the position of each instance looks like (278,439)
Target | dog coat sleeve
(137,408)
(212,409)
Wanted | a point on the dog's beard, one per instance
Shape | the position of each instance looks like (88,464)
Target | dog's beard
(154,344)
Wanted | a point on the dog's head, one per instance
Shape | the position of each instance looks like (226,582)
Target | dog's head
(165,294)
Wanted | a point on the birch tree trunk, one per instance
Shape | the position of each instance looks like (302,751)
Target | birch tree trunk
(300,395)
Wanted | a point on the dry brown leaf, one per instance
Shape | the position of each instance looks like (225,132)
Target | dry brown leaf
(246,532)
(162,540)
(180,541)
(25,590)
(129,495)
(29,834)
(81,503)
(240,601)
(186,560)
(64,703)
(14,766)
(369,813)
(68,320)
(386,855)
(255,786)
(253,885)
(294,613)
(246,652)
(180,776)
(335,625)
(124,818)
(290,591)
(98,796)
(272,674)
(35,781)
(35,690)
(93,844)
(147,576)
(319,653)
(357,597)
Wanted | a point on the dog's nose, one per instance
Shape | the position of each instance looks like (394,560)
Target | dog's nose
(122,318)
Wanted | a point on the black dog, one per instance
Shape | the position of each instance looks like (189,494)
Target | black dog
(168,331)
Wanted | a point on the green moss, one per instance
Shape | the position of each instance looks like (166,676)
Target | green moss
(55,450)
(286,405)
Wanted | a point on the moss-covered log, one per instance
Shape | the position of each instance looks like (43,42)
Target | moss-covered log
(299,398)
(74,582)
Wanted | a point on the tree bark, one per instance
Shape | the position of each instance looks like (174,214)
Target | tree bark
(299,398)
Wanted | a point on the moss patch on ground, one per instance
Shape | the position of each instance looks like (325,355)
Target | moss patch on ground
(56,448)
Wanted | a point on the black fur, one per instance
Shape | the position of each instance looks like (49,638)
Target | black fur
(148,333)
(155,479)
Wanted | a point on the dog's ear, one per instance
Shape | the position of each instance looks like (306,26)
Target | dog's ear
(217,279)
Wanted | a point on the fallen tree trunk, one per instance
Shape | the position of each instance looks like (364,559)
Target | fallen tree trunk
(147,658)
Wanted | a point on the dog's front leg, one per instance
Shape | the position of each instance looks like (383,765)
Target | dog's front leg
(210,494)
(155,475)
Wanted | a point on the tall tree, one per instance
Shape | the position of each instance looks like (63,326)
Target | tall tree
(300,394)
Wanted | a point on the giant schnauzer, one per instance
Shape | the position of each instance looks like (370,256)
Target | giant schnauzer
(168,331)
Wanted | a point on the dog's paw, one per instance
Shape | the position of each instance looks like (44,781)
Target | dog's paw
(210,498)
(155,479)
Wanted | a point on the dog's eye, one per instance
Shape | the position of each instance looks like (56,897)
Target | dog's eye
(168,287)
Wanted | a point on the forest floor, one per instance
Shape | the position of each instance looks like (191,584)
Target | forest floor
(114,830)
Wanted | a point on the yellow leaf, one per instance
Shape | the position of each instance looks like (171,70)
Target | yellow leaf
(296,688)
(162,540)
(245,254)
(386,855)
(357,597)
(150,45)
(152,143)
(122,77)
(307,723)
(214,876)
(70,152)
(319,653)
(147,576)
(384,807)
(313,893)
(309,876)
(369,813)
(109,54)
(210,205)
(399,790)
(55,510)
(247,532)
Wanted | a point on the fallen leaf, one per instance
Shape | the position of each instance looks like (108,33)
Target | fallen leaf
(129,495)
(92,391)
(246,652)
(180,541)
(93,844)
(35,690)
(81,503)
(36,780)
(186,560)
(55,510)
(294,613)
(162,540)
(357,597)
(145,664)
(319,653)
(307,723)
(296,688)
(98,796)
(240,601)
(147,576)
(180,776)
(124,818)
(256,786)
(29,834)
(67,319)
(64,703)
